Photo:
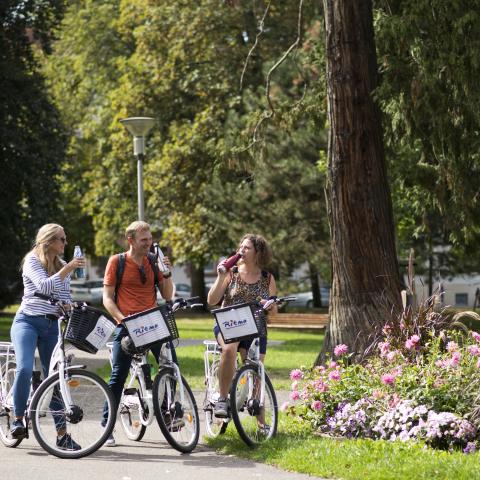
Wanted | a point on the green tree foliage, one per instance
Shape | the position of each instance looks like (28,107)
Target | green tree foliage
(31,137)
(179,62)
(428,53)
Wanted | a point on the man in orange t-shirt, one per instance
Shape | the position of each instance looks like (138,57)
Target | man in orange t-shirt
(135,294)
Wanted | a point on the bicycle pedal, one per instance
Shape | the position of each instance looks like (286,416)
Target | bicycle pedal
(130,391)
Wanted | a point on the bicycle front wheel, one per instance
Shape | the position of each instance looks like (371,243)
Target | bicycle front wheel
(255,422)
(6,406)
(132,414)
(178,421)
(76,431)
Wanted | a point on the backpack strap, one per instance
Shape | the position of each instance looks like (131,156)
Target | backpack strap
(119,273)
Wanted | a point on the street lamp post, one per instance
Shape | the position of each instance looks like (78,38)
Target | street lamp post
(139,128)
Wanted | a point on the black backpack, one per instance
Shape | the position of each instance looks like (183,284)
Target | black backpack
(152,259)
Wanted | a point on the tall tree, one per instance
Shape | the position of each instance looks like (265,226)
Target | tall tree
(365,279)
(31,136)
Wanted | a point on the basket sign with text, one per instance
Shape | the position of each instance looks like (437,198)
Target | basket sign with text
(101,332)
(236,322)
(147,327)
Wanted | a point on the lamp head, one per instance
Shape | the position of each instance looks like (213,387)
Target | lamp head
(139,128)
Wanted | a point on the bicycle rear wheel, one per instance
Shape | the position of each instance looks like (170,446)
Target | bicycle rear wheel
(132,413)
(255,423)
(83,425)
(6,406)
(213,426)
(178,421)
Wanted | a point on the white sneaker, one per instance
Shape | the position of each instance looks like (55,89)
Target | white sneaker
(110,441)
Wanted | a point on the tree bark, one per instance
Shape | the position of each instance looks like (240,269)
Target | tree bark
(365,277)
(197,277)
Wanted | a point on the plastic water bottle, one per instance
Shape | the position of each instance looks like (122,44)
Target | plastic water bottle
(226,265)
(77,252)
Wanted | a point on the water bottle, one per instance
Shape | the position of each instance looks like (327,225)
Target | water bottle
(161,265)
(226,265)
(77,252)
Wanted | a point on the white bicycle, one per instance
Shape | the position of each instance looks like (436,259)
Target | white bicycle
(252,400)
(168,398)
(70,400)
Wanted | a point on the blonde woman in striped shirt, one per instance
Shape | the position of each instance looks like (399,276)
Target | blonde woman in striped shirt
(35,324)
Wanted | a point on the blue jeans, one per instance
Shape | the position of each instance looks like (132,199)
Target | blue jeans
(121,366)
(27,333)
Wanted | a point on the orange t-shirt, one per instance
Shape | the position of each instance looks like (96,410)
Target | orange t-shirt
(133,296)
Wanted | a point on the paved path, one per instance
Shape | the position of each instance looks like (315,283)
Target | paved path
(152,458)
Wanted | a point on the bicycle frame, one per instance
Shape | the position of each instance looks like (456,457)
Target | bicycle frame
(136,371)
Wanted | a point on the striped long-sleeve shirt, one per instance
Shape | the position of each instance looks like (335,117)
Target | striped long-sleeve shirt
(35,278)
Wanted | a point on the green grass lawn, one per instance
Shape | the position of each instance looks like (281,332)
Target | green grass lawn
(351,459)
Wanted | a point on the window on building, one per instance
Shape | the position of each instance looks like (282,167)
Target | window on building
(461,299)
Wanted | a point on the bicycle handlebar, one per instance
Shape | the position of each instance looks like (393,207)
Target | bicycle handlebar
(181,303)
(271,300)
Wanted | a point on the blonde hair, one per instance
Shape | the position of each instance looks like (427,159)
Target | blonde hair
(134,227)
(46,235)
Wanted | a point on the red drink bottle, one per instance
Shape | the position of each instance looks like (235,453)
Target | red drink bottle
(229,263)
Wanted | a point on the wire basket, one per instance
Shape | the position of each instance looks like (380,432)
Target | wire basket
(152,326)
(89,328)
(241,322)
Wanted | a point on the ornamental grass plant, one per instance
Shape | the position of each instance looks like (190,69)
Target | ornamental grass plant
(419,382)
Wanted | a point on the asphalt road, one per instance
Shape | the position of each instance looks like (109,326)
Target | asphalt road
(152,458)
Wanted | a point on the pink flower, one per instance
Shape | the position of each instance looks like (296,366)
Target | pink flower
(296,374)
(452,347)
(340,350)
(474,350)
(392,355)
(377,394)
(386,329)
(409,345)
(284,406)
(332,365)
(320,386)
(412,342)
(295,395)
(476,336)
(317,405)
(294,385)
(384,348)
(455,360)
(334,375)
(415,339)
(478,363)
(388,379)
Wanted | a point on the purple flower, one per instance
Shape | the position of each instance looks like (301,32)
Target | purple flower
(470,448)
(296,374)
(340,350)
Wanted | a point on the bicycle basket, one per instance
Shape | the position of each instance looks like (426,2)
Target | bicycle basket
(89,328)
(151,326)
(241,322)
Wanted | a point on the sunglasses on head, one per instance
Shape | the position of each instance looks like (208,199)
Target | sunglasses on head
(143,275)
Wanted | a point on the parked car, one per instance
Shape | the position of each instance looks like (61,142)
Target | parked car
(305,299)
(90,291)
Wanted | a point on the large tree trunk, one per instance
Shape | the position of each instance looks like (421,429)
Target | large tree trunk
(366,282)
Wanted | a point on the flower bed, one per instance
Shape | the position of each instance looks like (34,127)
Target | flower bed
(422,383)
